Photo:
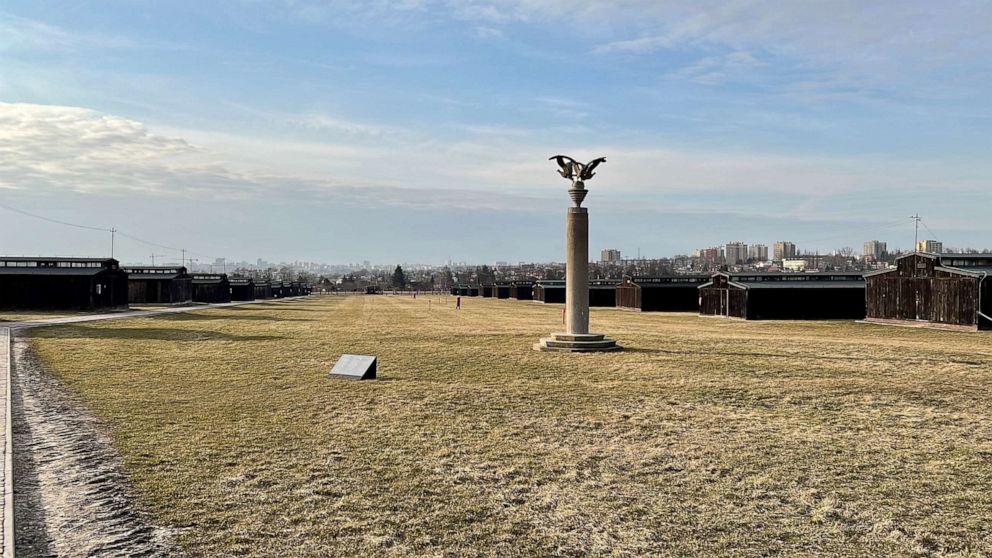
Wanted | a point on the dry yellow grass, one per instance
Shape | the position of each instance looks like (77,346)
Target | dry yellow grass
(705,437)
(25,315)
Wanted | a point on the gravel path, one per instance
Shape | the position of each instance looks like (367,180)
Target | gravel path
(71,494)
(83,318)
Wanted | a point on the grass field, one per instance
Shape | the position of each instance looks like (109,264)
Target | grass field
(26,315)
(705,437)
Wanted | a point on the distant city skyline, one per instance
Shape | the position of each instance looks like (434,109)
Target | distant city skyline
(350,131)
(758,251)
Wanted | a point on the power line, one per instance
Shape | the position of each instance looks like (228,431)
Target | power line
(112,231)
(148,242)
(847,233)
(164,247)
(916,234)
(29,214)
(924,223)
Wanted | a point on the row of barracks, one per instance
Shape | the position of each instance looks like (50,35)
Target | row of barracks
(94,284)
(950,291)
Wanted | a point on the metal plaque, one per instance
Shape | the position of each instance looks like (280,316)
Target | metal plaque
(354,367)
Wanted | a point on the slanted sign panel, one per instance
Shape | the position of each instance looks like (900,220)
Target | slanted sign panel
(354,367)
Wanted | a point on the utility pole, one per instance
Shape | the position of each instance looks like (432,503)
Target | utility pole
(916,236)
(183,261)
(113,232)
(156,255)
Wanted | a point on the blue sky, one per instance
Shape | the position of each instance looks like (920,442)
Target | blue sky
(417,131)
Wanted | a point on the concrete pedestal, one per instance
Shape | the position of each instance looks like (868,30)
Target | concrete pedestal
(577,338)
(577,343)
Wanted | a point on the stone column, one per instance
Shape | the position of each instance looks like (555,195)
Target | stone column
(577,271)
(576,337)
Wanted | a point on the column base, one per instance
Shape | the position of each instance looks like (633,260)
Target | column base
(577,343)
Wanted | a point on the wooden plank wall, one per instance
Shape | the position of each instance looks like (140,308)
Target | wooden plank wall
(628,296)
(723,301)
(918,292)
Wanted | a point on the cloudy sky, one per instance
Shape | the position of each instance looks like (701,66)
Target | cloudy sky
(418,130)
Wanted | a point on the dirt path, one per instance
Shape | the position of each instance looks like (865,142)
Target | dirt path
(71,494)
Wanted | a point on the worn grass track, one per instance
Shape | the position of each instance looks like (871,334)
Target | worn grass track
(26,315)
(706,437)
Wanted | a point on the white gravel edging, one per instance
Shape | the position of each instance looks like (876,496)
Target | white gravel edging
(6,356)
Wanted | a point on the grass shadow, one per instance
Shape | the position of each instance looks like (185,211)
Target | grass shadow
(272,305)
(745,355)
(191,317)
(146,334)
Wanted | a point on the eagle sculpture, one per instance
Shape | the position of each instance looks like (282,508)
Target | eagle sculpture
(574,170)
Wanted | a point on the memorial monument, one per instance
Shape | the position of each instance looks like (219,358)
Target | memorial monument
(576,337)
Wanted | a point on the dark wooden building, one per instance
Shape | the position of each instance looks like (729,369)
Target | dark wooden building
(263,289)
(550,292)
(465,290)
(670,293)
(302,288)
(784,296)
(159,285)
(603,293)
(501,290)
(62,284)
(939,290)
(522,290)
(242,288)
(211,288)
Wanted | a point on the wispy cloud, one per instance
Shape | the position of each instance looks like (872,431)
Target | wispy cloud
(891,43)
(47,152)
(23,35)
(495,130)
(640,45)
(852,40)
(320,121)
(565,108)
(51,149)
(487,32)
(47,149)
(719,69)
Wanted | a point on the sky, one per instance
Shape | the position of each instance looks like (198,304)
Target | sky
(420,130)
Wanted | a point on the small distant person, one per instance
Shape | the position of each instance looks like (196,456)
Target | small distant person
(458,303)
(414,295)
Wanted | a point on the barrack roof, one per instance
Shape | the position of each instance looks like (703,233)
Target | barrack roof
(53,259)
(56,271)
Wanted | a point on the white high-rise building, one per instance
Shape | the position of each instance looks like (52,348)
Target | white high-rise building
(875,250)
(784,250)
(610,255)
(758,252)
(736,253)
(930,246)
